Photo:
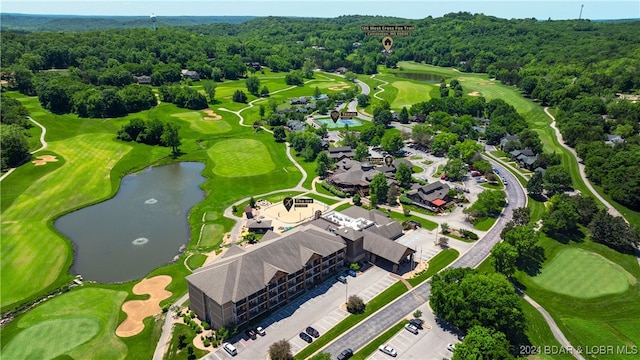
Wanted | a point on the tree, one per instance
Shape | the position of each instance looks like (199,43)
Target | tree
(422,134)
(466,298)
(171,137)
(392,142)
(363,100)
(523,239)
(531,140)
(294,78)
(14,146)
(503,258)
(356,200)
(279,133)
(382,117)
(613,232)
(324,163)
(455,169)
(262,110)
(417,313)
(316,92)
(252,202)
(465,150)
(521,216)
(483,343)
(350,76)
(404,116)
(535,184)
(556,180)
(442,142)
(362,152)
(444,90)
(280,350)
(253,85)
(392,195)
(210,89)
(355,305)
(403,175)
(489,203)
(250,238)
(379,188)
(239,96)
(561,217)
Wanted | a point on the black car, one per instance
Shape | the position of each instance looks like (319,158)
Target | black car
(417,323)
(313,332)
(251,334)
(345,354)
(306,337)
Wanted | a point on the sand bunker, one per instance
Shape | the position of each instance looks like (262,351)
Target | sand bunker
(43,159)
(338,88)
(212,115)
(137,310)
(475,93)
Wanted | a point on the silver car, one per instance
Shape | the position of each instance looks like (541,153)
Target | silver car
(388,350)
(411,328)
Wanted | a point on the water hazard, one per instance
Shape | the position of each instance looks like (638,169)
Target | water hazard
(139,229)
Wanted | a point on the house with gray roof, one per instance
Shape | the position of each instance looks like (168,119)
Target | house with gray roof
(614,139)
(432,196)
(296,126)
(341,152)
(259,226)
(508,138)
(190,74)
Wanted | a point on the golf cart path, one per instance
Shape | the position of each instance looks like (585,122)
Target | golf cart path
(612,211)
(42,141)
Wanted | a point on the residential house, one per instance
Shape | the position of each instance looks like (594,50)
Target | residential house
(296,126)
(614,140)
(342,70)
(526,158)
(356,44)
(341,152)
(190,74)
(259,226)
(508,138)
(299,101)
(432,196)
(143,79)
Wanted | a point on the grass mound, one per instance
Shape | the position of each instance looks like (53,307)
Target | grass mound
(241,157)
(603,278)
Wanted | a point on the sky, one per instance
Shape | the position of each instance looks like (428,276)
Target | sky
(411,9)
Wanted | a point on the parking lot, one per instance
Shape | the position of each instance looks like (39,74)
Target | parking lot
(319,308)
(429,344)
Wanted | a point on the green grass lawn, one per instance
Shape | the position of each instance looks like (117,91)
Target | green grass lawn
(484,224)
(176,353)
(79,323)
(196,260)
(409,93)
(240,157)
(211,235)
(603,277)
(373,346)
(322,199)
(197,122)
(400,217)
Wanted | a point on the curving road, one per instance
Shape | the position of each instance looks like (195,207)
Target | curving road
(612,211)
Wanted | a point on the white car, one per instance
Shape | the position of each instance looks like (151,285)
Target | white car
(388,350)
(411,328)
(230,349)
(451,347)
(260,331)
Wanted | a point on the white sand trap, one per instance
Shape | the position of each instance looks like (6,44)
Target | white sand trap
(43,159)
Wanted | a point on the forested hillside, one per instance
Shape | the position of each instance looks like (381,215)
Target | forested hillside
(577,66)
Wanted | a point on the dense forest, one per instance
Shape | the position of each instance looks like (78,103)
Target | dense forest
(579,67)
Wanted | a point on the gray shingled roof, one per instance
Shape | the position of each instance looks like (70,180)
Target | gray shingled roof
(383,247)
(237,276)
(430,192)
(376,216)
(263,224)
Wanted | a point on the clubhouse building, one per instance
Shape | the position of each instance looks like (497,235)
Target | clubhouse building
(243,284)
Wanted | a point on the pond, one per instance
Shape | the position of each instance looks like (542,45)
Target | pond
(338,124)
(430,78)
(141,228)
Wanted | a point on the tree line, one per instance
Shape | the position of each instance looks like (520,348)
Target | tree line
(14,142)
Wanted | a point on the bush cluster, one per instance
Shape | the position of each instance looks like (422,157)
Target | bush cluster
(333,190)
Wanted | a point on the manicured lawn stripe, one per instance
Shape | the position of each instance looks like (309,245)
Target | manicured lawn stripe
(485,224)
(240,157)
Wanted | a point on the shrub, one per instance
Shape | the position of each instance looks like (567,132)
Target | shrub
(206,326)
(192,315)
(404,199)
(469,234)
(333,190)
(355,305)
(354,266)
(406,212)
(417,314)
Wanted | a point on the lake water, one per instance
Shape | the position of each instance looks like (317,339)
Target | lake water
(139,229)
(430,78)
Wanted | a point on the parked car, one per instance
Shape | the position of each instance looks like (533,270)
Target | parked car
(313,332)
(417,323)
(411,328)
(476,173)
(351,273)
(388,350)
(495,170)
(260,331)
(451,347)
(481,180)
(306,337)
(251,334)
(342,279)
(230,349)
(345,354)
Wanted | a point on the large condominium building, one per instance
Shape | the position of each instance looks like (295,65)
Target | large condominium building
(244,284)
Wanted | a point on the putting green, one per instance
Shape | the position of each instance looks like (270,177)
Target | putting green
(197,122)
(33,256)
(240,157)
(602,278)
(69,333)
(409,93)
(77,323)
(211,235)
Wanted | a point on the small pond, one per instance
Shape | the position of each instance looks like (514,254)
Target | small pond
(430,78)
(139,229)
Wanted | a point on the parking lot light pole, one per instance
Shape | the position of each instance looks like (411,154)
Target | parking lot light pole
(346,293)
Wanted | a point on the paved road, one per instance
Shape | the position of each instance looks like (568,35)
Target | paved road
(406,304)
